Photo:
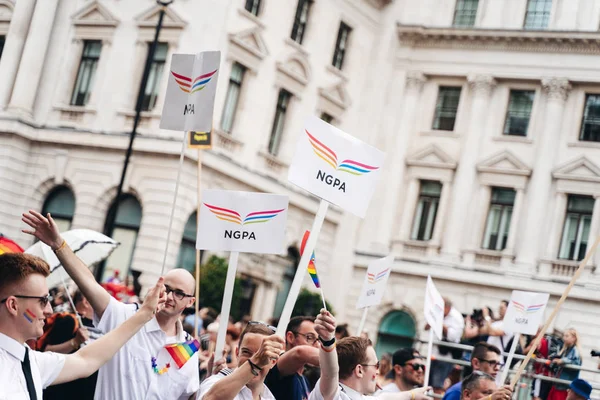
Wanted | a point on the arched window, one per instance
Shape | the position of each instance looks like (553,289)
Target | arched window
(61,204)
(397,330)
(187,250)
(126,228)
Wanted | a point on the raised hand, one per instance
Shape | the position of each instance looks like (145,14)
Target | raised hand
(504,393)
(44,228)
(420,393)
(269,352)
(155,298)
(325,325)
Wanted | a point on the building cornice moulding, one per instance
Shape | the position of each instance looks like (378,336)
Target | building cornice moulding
(418,36)
(580,169)
(95,14)
(504,163)
(433,157)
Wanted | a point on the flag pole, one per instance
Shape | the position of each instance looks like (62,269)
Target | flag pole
(363,320)
(226,306)
(429,351)
(196,306)
(509,359)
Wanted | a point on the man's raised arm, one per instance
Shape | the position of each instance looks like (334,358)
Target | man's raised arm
(46,230)
(325,327)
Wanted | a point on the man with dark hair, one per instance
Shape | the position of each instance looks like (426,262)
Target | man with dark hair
(479,385)
(257,353)
(24,304)
(285,380)
(409,371)
(485,358)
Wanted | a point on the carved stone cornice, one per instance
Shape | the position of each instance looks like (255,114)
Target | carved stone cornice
(499,39)
(415,80)
(556,88)
(481,84)
(379,4)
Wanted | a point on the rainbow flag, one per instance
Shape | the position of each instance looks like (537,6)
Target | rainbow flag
(8,246)
(312,268)
(182,352)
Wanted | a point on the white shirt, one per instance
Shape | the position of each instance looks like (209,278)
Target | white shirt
(456,325)
(244,394)
(45,368)
(129,374)
(343,393)
(500,342)
(391,388)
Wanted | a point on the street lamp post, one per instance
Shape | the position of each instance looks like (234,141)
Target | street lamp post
(112,214)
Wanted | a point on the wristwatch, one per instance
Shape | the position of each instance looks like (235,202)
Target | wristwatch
(327,343)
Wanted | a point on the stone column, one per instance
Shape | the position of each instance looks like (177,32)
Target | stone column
(509,252)
(13,49)
(594,228)
(554,235)
(475,229)
(556,91)
(408,212)
(379,227)
(480,88)
(438,229)
(33,60)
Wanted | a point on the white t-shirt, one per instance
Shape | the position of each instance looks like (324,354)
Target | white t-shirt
(390,388)
(343,393)
(500,342)
(129,375)
(45,368)
(244,394)
(456,325)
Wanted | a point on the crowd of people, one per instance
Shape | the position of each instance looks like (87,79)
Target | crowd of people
(109,349)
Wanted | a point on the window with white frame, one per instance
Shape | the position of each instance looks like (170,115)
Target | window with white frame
(341,46)
(576,228)
(60,203)
(519,112)
(590,127)
(157,66)
(446,108)
(300,20)
(187,250)
(427,207)
(87,70)
(253,6)
(498,219)
(538,14)
(233,95)
(465,13)
(283,101)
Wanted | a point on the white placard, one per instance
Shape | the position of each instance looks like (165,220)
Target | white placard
(525,312)
(242,221)
(190,98)
(336,166)
(375,282)
(434,308)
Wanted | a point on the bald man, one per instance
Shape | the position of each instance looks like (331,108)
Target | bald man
(142,368)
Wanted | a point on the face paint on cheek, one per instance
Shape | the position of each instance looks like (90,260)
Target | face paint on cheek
(29,316)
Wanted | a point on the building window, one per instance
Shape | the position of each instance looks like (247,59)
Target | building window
(300,20)
(577,228)
(538,14)
(429,200)
(125,231)
(2,40)
(187,249)
(61,204)
(519,112)
(233,95)
(283,101)
(253,6)
(327,118)
(590,127)
(156,71)
(498,220)
(465,13)
(87,70)
(341,45)
(446,108)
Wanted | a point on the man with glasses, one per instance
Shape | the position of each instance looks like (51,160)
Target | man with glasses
(285,380)
(132,373)
(24,304)
(409,371)
(485,358)
(258,351)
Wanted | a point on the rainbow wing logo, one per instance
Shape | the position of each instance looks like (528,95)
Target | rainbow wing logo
(182,352)
(258,217)
(374,278)
(521,309)
(330,157)
(312,267)
(190,86)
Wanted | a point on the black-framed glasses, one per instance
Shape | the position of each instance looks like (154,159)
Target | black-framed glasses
(416,366)
(493,363)
(271,327)
(178,294)
(371,365)
(44,300)
(310,338)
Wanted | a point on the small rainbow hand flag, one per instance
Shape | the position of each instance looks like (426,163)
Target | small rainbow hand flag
(312,268)
(182,352)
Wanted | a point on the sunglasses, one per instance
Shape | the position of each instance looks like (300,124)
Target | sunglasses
(310,338)
(44,300)
(178,294)
(416,366)
(493,363)
(272,328)
(371,365)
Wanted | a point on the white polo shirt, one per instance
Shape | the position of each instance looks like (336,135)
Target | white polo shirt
(343,393)
(129,374)
(244,394)
(45,368)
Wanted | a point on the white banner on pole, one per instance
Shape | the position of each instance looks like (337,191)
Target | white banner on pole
(190,98)
(434,308)
(375,282)
(525,312)
(336,166)
(242,221)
